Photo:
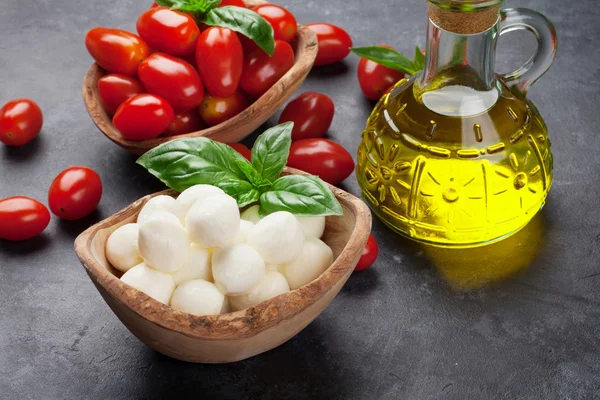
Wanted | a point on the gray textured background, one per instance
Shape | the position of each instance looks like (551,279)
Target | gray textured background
(405,329)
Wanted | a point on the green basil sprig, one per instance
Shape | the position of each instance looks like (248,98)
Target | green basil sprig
(238,19)
(183,163)
(392,59)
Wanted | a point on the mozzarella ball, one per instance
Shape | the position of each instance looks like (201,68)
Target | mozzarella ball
(272,267)
(245,228)
(163,243)
(156,284)
(189,196)
(251,214)
(122,247)
(197,266)
(159,204)
(273,285)
(213,221)
(237,269)
(314,259)
(278,238)
(198,297)
(312,226)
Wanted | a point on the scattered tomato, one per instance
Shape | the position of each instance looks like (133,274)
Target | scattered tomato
(220,58)
(22,218)
(21,121)
(144,116)
(243,150)
(154,5)
(172,79)
(116,50)
(114,89)
(324,158)
(215,110)
(236,3)
(185,122)
(311,114)
(168,31)
(283,22)
(375,79)
(75,193)
(334,43)
(369,255)
(261,71)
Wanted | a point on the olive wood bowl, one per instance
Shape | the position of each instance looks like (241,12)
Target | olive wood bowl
(233,336)
(232,130)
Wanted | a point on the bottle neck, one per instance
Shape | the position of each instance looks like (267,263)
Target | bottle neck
(461,67)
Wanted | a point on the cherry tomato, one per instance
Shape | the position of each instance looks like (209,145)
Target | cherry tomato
(172,79)
(154,5)
(236,3)
(369,255)
(334,43)
(114,89)
(168,31)
(243,150)
(283,22)
(75,193)
(248,44)
(21,121)
(144,116)
(215,110)
(185,122)
(116,50)
(220,57)
(324,158)
(311,114)
(22,218)
(261,71)
(375,79)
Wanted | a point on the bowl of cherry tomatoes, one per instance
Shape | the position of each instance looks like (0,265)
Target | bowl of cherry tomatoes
(186,79)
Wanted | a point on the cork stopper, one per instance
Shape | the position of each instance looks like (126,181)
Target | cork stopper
(464,22)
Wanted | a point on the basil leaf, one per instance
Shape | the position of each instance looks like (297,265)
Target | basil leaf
(183,163)
(271,151)
(419,60)
(387,57)
(244,21)
(252,175)
(242,191)
(302,195)
(195,6)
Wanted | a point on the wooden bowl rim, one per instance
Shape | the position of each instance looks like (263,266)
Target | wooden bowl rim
(305,55)
(234,325)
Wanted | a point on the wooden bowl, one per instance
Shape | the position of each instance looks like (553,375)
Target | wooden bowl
(232,130)
(234,336)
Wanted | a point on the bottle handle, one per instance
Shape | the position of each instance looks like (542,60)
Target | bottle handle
(514,19)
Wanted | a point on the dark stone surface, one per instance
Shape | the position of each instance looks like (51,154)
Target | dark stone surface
(517,320)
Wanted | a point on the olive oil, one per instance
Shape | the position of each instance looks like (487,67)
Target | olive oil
(453,180)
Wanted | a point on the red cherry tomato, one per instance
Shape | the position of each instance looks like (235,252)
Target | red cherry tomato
(21,121)
(114,89)
(75,193)
(334,43)
(22,218)
(369,255)
(173,79)
(144,116)
(115,50)
(261,71)
(185,122)
(168,31)
(248,44)
(375,79)
(154,5)
(311,114)
(220,57)
(283,22)
(215,110)
(324,158)
(242,149)
(236,3)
